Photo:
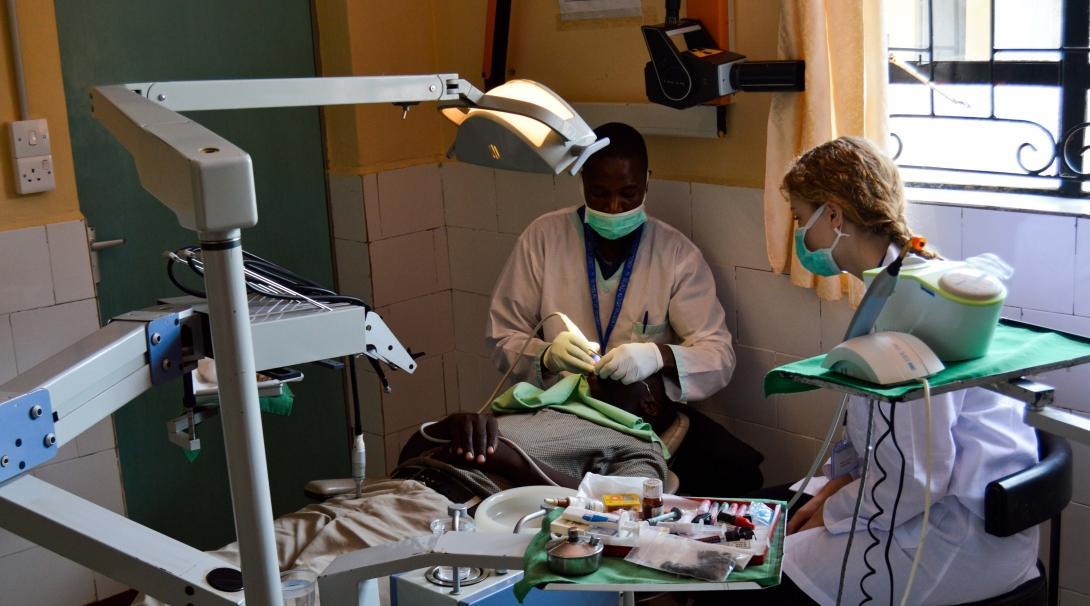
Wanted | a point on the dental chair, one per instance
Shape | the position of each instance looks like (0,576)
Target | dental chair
(1023,500)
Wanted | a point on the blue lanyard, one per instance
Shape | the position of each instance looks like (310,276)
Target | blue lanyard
(589,241)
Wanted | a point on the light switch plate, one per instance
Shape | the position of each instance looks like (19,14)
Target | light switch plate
(34,174)
(30,138)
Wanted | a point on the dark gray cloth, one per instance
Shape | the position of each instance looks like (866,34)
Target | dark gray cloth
(567,444)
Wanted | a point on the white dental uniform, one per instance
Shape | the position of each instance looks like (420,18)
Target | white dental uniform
(671,285)
(977,436)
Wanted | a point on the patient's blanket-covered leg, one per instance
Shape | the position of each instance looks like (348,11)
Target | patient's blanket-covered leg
(309,539)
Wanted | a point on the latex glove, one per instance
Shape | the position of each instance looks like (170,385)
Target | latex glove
(570,352)
(631,362)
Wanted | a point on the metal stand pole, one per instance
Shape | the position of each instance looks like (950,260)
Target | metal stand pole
(240,410)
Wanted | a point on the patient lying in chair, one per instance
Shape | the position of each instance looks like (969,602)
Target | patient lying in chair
(467,456)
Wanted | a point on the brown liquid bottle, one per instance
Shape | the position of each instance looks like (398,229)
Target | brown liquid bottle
(652,498)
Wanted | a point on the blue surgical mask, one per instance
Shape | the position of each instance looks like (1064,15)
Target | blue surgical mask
(612,226)
(819,262)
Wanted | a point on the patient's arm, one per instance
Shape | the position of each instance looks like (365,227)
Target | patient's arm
(514,467)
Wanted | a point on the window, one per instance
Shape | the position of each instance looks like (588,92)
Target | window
(991,94)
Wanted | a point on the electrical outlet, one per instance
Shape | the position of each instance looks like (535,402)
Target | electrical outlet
(34,174)
(30,138)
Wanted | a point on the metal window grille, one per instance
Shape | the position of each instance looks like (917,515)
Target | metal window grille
(1053,159)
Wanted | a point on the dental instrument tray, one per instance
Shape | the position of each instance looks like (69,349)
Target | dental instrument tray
(1017,350)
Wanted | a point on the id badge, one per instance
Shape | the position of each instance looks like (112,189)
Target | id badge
(843,461)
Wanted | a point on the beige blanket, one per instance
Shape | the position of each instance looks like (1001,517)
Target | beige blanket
(308,540)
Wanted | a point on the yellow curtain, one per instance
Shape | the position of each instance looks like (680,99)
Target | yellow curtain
(843,44)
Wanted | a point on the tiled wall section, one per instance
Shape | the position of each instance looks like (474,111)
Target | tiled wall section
(426,244)
(47,302)
(391,249)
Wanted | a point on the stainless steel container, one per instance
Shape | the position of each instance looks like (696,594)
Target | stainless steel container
(575,557)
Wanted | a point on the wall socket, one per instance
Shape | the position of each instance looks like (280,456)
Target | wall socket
(32,156)
(34,174)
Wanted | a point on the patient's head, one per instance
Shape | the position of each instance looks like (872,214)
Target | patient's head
(646,398)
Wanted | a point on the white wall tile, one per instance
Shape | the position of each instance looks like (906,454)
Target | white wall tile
(375,463)
(725,290)
(835,317)
(1080,473)
(370,389)
(743,397)
(405,267)
(1075,549)
(450,381)
(40,333)
(1068,597)
(425,324)
(441,243)
(1071,598)
(353,269)
(476,258)
(568,190)
(105,587)
(773,314)
(98,438)
(1041,248)
(470,316)
(38,576)
(787,455)
(11,543)
(670,201)
(1071,386)
(1082,267)
(476,380)
(346,213)
(469,196)
(372,214)
(394,443)
(415,398)
(96,478)
(941,225)
(7,350)
(523,197)
(1077,325)
(728,225)
(25,274)
(410,200)
(808,413)
(70,260)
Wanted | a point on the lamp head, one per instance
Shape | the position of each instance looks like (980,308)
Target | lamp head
(522,125)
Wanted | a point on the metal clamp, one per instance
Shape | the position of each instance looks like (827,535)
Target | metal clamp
(27,434)
(1036,395)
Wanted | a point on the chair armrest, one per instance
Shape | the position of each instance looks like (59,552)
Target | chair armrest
(1026,498)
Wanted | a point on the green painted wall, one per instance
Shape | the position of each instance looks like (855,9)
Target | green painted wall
(115,41)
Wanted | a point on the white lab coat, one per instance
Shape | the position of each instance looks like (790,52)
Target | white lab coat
(977,436)
(671,284)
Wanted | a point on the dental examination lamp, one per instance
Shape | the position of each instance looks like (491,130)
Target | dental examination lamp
(687,68)
(208,183)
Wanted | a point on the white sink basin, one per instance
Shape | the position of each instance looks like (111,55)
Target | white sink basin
(500,512)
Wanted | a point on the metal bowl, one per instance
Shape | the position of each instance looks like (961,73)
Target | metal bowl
(574,557)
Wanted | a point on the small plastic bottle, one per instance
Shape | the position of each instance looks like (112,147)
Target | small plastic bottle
(652,498)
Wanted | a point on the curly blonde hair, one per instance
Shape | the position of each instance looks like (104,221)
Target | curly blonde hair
(857,175)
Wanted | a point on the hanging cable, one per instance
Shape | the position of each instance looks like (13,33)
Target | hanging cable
(263,277)
(858,503)
(878,511)
(926,494)
(525,346)
(816,463)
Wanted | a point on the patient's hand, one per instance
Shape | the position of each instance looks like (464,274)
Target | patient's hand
(473,437)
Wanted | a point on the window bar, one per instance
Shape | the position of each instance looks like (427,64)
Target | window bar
(1075,79)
